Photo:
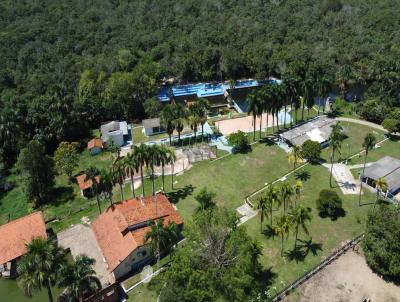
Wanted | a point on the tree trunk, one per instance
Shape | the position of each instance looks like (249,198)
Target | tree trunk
(98,202)
(284,118)
(330,176)
(172,176)
(170,140)
(162,175)
(270,216)
(302,112)
(260,125)
(266,127)
(132,186)
(261,221)
(122,191)
(202,132)
(153,188)
(254,128)
(142,179)
(363,171)
(295,236)
(308,112)
(273,123)
(49,293)
(291,113)
(277,121)
(282,246)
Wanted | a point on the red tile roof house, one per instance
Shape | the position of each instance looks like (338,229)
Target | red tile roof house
(14,236)
(95,146)
(121,229)
(85,186)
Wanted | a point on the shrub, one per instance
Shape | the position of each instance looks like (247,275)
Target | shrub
(373,110)
(391,125)
(329,204)
(381,244)
(239,141)
(311,150)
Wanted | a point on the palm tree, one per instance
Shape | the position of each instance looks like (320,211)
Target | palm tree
(167,121)
(131,167)
(335,139)
(171,234)
(40,266)
(282,228)
(79,278)
(171,159)
(272,198)
(92,174)
(106,184)
(163,158)
(368,144)
(253,109)
(193,119)
(290,91)
(286,192)
(297,189)
(153,159)
(260,109)
(118,174)
(179,114)
(297,101)
(381,186)
(262,206)
(295,156)
(140,153)
(203,107)
(266,100)
(300,215)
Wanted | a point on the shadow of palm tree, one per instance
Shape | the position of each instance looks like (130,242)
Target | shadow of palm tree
(310,246)
(266,277)
(302,175)
(269,232)
(181,193)
(296,254)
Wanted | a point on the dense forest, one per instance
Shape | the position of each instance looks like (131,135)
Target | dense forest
(67,65)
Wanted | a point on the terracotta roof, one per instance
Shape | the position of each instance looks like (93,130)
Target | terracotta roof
(110,228)
(83,185)
(96,142)
(16,234)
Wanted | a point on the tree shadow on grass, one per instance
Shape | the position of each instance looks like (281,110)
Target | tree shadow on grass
(302,175)
(60,195)
(339,212)
(266,277)
(181,193)
(302,249)
(269,232)
(267,141)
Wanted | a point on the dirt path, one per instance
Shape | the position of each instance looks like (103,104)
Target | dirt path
(347,279)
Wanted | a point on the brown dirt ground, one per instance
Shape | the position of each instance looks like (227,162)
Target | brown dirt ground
(347,279)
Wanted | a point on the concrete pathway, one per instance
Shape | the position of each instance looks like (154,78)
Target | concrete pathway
(344,178)
(246,212)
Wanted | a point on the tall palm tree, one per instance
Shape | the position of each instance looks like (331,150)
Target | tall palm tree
(140,153)
(203,107)
(193,119)
(295,156)
(260,109)
(381,185)
(158,238)
(253,109)
(266,99)
(153,159)
(179,113)
(167,121)
(335,140)
(131,167)
(118,174)
(262,206)
(368,144)
(106,184)
(39,267)
(171,234)
(163,158)
(79,278)
(278,102)
(297,102)
(290,91)
(92,174)
(286,192)
(171,160)
(282,228)
(272,198)
(300,215)
(297,189)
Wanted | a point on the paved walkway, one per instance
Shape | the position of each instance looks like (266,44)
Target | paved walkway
(344,178)
(361,122)
(246,212)
(80,239)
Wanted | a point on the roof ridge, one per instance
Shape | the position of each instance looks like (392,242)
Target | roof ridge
(21,218)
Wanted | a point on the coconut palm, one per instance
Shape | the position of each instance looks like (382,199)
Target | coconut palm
(167,121)
(39,267)
(164,159)
(266,98)
(153,160)
(171,160)
(297,101)
(193,119)
(79,278)
(92,174)
(299,216)
(253,109)
(140,153)
(381,186)
(106,184)
(297,189)
(131,167)
(118,175)
(286,192)
(295,156)
(203,107)
(179,113)
(335,139)
(262,206)
(272,199)
(368,144)
(282,228)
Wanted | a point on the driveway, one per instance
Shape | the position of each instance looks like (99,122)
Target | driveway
(80,239)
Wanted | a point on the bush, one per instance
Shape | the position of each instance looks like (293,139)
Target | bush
(311,150)
(329,204)
(373,111)
(381,243)
(391,125)
(239,141)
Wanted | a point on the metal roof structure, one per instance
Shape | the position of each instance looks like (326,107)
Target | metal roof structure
(389,169)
